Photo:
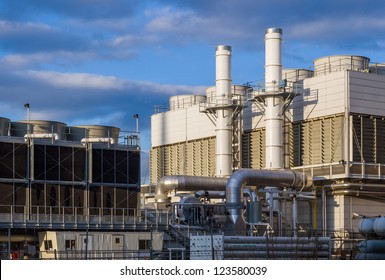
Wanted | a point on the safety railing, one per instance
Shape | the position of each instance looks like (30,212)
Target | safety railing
(19,216)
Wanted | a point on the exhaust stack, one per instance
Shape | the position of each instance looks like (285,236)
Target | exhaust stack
(274,102)
(223,153)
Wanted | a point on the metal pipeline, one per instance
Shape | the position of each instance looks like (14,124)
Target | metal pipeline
(53,136)
(247,192)
(186,183)
(284,178)
(356,189)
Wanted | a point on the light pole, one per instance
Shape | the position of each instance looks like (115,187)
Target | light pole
(26,105)
(136,117)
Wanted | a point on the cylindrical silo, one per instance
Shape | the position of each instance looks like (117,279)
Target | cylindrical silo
(94,133)
(4,126)
(223,153)
(39,129)
(336,63)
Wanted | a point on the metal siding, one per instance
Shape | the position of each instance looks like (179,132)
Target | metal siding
(367,94)
(179,126)
(323,95)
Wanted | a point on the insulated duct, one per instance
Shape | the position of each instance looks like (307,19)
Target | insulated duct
(186,183)
(235,223)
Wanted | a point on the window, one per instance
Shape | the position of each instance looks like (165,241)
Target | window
(117,240)
(144,244)
(47,245)
(70,244)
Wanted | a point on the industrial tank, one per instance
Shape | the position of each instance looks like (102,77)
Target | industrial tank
(365,226)
(39,129)
(93,133)
(379,226)
(295,75)
(185,101)
(336,63)
(4,126)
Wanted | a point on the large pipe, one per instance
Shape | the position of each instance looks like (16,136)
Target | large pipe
(247,192)
(250,177)
(186,183)
(223,152)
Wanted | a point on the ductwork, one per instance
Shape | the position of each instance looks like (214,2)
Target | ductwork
(186,183)
(235,222)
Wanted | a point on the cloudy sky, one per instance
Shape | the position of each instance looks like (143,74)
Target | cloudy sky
(101,62)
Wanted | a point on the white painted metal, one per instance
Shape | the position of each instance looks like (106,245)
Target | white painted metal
(274,104)
(274,108)
(336,63)
(223,153)
(295,75)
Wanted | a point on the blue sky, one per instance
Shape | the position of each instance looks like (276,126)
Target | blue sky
(100,62)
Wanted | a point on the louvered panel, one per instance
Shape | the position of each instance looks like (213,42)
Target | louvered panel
(166,160)
(380,140)
(205,157)
(316,142)
(296,146)
(246,152)
(155,166)
(306,143)
(326,140)
(179,159)
(368,139)
(336,138)
(189,158)
(356,138)
(211,159)
(195,155)
(257,145)
(287,138)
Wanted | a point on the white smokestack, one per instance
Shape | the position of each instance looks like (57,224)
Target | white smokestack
(223,153)
(274,104)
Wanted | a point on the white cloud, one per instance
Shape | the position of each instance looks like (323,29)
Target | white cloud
(77,80)
(15,28)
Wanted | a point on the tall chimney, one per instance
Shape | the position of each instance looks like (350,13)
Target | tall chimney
(223,153)
(273,111)
(274,103)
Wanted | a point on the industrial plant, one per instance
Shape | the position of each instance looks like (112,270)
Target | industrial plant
(292,167)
